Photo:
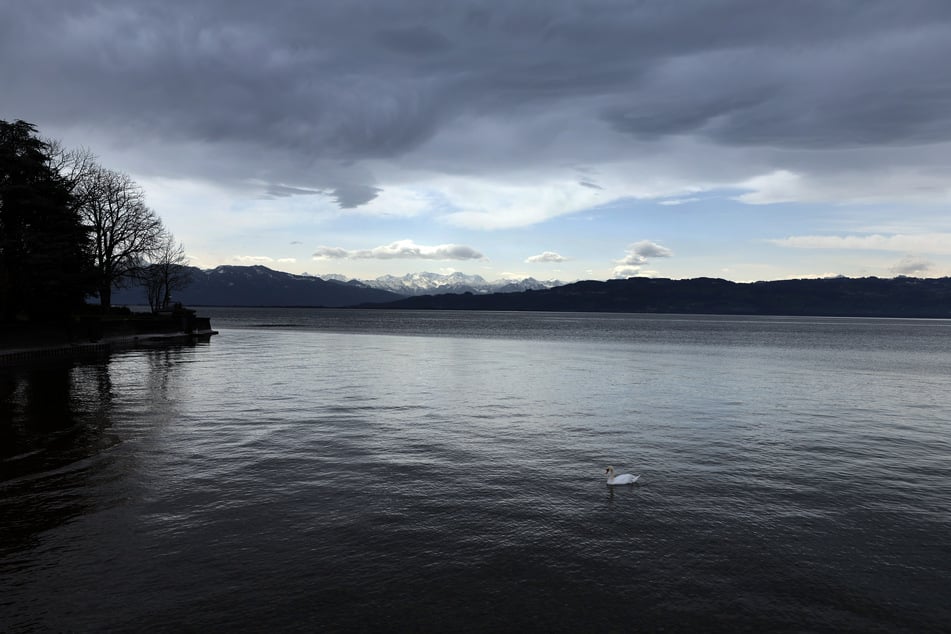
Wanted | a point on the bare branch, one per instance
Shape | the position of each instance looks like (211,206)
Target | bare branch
(124,230)
(166,273)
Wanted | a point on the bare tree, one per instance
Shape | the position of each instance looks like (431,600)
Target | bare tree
(124,231)
(167,272)
(75,168)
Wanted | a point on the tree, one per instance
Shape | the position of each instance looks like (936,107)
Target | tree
(74,168)
(124,231)
(43,260)
(168,272)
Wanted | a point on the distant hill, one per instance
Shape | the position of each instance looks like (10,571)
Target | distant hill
(261,286)
(861,297)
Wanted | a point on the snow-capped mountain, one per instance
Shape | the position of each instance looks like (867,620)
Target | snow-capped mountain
(438,284)
(261,286)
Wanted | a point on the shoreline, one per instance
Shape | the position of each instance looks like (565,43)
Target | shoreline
(28,342)
(83,349)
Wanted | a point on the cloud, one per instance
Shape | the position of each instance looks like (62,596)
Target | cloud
(637,255)
(402,249)
(262,259)
(631,259)
(277,190)
(778,100)
(624,270)
(512,202)
(333,253)
(253,259)
(911,265)
(547,256)
(352,195)
(352,99)
(414,40)
(679,201)
(780,186)
(648,249)
(935,243)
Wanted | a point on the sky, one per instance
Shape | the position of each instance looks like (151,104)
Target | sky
(739,139)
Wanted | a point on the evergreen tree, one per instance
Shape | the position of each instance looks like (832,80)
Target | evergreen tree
(44,267)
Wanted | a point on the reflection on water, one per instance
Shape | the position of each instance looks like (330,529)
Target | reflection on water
(55,435)
(54,416)
(52,413)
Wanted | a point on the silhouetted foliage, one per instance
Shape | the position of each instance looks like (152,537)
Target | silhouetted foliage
(70,228)
(44,264)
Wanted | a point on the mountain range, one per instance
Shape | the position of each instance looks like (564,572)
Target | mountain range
(261,286)
(838,296)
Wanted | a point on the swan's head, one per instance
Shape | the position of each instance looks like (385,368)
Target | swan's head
(609,470)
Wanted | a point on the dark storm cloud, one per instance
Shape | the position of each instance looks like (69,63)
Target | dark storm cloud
(346,195)
(352,195)
(415,40)
(301,94)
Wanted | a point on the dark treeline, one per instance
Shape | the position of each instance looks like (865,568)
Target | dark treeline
(861,297)
(71,229)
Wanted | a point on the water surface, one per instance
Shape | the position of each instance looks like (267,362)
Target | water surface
(355,470)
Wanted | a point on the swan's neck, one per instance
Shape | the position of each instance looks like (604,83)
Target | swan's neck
(610,476)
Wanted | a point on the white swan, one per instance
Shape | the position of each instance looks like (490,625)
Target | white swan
(624,478)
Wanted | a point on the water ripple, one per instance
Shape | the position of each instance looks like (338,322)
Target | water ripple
(329,477)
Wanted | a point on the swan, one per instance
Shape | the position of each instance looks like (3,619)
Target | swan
(624,478)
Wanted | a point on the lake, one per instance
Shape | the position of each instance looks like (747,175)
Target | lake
(333,470)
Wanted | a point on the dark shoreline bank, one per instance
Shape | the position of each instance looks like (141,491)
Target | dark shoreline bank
(90,336)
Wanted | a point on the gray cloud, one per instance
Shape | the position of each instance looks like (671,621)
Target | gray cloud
(414,40)
(333,253)
(648,249)
(276,190)
(403,250)
(339,96)
(911,265)
(351,195)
